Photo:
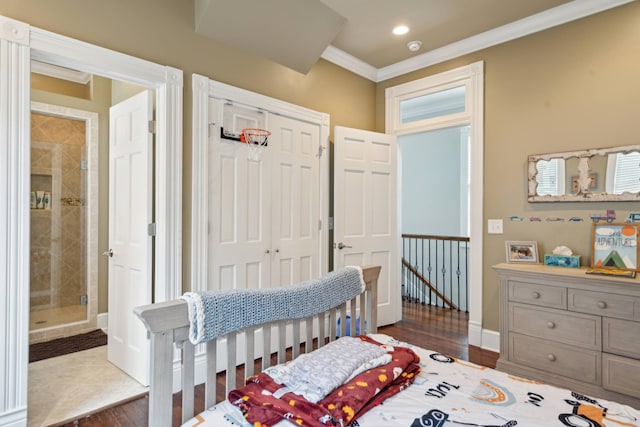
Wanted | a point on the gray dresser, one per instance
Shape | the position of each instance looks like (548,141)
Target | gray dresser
(578,331)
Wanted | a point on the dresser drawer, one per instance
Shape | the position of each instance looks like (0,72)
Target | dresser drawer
(565,360)
(604,304)
(570,328)
(621,374)
(533,293)
(621,337)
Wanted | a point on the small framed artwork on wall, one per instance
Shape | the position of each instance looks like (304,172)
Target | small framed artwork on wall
(522,252)
(615,246)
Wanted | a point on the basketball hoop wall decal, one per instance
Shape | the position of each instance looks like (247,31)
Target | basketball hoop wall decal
(256,139)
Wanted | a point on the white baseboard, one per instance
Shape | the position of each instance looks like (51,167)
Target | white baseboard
(490,340)
(14,418)
(484,338)
(102,321)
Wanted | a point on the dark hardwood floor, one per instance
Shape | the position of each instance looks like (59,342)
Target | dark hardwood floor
(426,326)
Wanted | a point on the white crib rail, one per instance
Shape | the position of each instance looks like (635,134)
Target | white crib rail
(168,326)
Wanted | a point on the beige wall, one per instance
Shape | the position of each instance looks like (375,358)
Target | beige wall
(570,87)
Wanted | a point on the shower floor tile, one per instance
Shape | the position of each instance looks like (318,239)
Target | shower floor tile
(49,317)
(62,389)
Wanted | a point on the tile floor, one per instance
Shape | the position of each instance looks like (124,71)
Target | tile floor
(64,388)
(49,317)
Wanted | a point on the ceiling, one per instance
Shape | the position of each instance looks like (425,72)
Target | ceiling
(356,34)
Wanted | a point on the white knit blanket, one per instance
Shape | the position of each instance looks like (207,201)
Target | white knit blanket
(216,313)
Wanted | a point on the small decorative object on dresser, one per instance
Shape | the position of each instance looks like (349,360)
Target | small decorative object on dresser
(578,331)
(522,252)
(615,246)
(562,256)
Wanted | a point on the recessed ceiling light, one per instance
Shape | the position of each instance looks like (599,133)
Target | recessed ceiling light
(400,30)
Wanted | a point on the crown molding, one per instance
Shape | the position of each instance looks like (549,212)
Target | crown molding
(349,62)
(541,21)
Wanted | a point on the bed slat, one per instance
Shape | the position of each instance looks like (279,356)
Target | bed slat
(188,375)
(282,341)
(231,360)
(161,387)
(309,341)
(250,353)
(266,347)
(295,348)
(321,329)
(210,382)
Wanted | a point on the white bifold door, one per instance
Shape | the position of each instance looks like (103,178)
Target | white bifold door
(366,211)
(264,214)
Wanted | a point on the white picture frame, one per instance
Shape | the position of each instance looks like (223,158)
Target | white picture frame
(522,252)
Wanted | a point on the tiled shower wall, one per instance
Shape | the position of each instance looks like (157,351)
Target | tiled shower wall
(58,234)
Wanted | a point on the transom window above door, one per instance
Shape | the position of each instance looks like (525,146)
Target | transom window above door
(435,104)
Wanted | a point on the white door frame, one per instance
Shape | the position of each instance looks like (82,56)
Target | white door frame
(472,76)
(19,43)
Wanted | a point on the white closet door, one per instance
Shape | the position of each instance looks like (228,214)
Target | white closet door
(295,193)
(239,215)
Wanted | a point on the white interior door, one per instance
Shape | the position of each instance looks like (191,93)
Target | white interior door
(239,204)
(366,211)
(295,195)
(130,212)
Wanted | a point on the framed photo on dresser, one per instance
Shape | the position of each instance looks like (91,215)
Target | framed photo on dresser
(522,252)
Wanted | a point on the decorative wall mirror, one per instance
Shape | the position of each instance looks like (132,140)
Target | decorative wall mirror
(608,174)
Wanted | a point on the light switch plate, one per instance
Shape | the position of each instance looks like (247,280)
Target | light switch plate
(494,226)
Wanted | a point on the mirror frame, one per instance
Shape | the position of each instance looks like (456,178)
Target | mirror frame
(584,169)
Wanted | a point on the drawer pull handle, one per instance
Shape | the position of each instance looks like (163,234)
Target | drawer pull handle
(602,304)
(535,295)
(551,325)
(551,357)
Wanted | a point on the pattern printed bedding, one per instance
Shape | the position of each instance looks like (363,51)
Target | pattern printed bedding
(447,393)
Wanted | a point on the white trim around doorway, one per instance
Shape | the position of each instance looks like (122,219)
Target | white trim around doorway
(19,43)
(472,77)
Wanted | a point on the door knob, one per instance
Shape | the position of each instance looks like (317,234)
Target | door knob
(108,253)
(341,245)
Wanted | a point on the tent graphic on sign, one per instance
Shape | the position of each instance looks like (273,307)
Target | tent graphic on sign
(613,260)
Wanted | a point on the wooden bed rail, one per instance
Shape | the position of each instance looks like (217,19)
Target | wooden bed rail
(167,324)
